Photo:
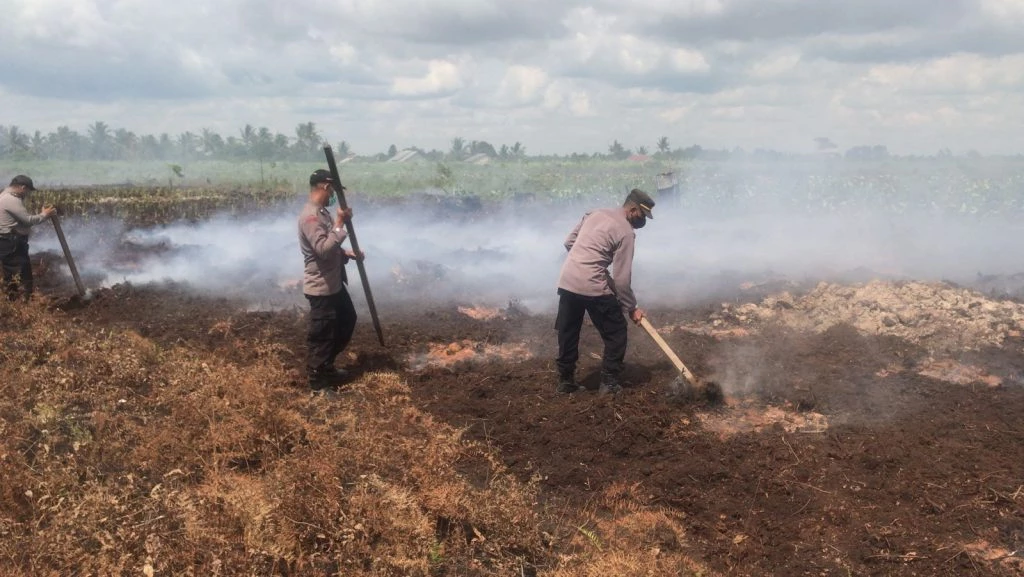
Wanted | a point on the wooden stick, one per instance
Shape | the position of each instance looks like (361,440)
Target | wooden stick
(67,254)
(668,351)
(340,191)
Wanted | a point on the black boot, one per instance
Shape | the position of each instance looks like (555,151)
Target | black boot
(609,384)
(326,377)
(566,382)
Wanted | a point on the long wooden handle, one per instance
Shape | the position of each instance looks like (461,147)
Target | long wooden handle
(67,254)
(668,351)
(340,191)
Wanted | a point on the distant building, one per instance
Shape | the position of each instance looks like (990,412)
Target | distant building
(478,158)
(668,185)
(406,155)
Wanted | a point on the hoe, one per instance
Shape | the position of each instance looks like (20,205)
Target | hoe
(685,385)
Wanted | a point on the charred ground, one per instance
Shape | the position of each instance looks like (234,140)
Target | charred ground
(839,451)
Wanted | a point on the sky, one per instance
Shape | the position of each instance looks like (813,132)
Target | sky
(559,76)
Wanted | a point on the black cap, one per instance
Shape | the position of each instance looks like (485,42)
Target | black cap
(22,180)
(320,175)
(643,200)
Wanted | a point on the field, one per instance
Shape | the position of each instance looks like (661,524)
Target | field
(865,323)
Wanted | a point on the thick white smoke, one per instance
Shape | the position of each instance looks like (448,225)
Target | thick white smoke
(420,251)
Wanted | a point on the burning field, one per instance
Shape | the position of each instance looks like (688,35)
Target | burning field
(868,428)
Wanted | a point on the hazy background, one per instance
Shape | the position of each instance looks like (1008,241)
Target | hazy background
(767,226)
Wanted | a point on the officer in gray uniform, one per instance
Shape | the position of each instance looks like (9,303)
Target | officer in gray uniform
(604,239)
(332,317)
(15,222)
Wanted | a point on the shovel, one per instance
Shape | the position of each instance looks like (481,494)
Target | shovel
(685,385)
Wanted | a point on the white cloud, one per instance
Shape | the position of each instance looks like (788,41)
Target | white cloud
(579,104)
(955,74)
(571,75)
(523,84)
(442,77)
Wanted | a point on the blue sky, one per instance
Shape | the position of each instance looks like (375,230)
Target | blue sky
(557,76)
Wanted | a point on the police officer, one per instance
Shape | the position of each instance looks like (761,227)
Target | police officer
(15,222)
(603,239)
(332,317)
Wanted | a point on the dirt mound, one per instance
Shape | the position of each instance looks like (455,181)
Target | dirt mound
(937,316)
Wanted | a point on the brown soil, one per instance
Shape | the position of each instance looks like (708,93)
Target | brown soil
(846,447)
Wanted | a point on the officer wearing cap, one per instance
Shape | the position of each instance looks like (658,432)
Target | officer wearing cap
(332,317)
(603,240)
(15,222)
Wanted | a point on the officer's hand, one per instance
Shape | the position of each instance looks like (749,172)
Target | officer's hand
(352,255)
(49,211)
(343,215)
(638,315)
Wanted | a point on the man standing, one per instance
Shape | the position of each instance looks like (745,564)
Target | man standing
(603,238)
(332,317)
(15,222)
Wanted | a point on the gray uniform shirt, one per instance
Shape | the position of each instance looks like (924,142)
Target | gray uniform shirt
(321,251)
(14,217)
(602,239)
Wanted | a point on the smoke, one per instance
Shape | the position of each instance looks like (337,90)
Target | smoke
(701,244)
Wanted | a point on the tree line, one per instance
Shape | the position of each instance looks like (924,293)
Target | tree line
(102,142)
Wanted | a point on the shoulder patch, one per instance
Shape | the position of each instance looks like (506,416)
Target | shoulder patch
(312,218)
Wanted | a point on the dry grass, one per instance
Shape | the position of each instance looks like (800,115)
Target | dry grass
(118,456)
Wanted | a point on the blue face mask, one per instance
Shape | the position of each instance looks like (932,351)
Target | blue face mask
(332,200)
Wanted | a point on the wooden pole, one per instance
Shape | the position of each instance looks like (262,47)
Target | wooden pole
(340,191)
(67,254)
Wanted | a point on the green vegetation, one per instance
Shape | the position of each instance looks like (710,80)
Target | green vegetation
(157,190)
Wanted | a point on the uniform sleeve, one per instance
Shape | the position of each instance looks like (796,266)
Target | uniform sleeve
(622,273)
(571,239)
(323,239)
(21,216)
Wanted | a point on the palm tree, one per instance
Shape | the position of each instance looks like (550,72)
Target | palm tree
(99,136)
(187,144)
(308,139)
(249,139)
(66,143)
(40,145)
(617,151)
(663,146)
(127,143)
(211,142)
(16,142)
(458,146)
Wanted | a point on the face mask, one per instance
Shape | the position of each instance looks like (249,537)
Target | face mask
(638,222)
(332,200)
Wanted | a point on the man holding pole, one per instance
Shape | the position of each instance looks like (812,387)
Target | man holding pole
(332,316)
(603,240)
(15,222)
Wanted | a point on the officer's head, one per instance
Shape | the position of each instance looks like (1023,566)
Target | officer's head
(321,187)
(638,207)
(22,185)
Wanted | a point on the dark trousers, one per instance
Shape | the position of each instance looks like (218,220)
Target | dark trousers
(16,264)
(609,320)
(332,320)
